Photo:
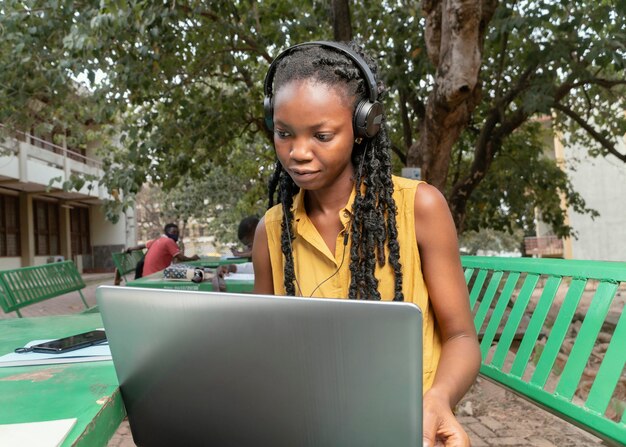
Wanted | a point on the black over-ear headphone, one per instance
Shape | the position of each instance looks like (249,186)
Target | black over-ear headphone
(368,114)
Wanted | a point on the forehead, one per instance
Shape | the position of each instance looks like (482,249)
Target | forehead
(310,95)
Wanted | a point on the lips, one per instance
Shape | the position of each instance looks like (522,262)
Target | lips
(302,173)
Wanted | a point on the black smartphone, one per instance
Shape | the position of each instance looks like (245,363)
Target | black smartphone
(71,343)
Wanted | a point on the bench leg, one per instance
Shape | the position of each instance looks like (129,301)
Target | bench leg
(82,297)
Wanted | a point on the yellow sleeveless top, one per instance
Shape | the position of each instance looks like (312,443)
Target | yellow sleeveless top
(315,265)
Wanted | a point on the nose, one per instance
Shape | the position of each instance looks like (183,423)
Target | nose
(300,150)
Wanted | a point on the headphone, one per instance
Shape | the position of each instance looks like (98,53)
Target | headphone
(368,114)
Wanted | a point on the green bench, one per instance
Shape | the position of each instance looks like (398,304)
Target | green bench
(28,285)
(554,332)
(127,262)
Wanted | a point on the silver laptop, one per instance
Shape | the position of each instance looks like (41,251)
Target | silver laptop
(220,369)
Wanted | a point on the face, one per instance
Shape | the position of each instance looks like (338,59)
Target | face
(247,240)
(172,233)
(313,134)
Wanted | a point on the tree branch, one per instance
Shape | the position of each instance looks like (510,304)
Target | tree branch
(401,155)
(606,144)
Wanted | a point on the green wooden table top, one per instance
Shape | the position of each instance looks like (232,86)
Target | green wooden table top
(88,391)
(234,283)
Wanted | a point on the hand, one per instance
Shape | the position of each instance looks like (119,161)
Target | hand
(440,426)
(195,257)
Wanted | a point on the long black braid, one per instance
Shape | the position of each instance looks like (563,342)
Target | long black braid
(373,228)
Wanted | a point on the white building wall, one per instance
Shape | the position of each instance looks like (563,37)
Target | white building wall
(10,263)
(104,232)
(602,183)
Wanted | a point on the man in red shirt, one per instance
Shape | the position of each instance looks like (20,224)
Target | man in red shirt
(163,250)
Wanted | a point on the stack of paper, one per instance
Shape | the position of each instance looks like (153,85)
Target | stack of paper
(89,354)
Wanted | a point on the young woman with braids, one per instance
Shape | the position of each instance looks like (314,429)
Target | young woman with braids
(343,226)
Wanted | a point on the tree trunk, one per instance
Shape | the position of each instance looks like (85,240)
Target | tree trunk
(454,40)
(342,25)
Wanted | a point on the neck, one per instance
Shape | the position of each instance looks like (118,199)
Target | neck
(328,201)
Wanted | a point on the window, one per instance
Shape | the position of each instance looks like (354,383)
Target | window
(46,217)
(79,228)
(9,226)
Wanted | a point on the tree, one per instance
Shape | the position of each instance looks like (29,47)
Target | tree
(467,80)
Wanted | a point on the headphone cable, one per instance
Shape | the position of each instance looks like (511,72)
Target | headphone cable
(343,255)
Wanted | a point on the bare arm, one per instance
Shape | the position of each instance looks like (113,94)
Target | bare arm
(242,254)
(460,356)
(180,257)
(263,280)
(135,248)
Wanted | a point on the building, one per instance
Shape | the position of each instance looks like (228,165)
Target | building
(39,222)
(601,181)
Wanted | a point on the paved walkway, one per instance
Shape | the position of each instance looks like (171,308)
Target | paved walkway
(491,415)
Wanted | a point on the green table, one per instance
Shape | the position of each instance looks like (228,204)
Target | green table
(156,281)
(88,391)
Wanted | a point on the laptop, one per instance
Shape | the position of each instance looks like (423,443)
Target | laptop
(223,369)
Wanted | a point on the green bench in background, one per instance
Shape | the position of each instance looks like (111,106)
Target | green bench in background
(554,332)
(28,285)
(127,262)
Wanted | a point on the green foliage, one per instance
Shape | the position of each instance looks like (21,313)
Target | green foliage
(180,84)
(524,177)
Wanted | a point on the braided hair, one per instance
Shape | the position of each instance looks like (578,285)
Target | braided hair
(373,227)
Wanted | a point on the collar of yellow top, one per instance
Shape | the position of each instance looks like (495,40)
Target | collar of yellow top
(299,212)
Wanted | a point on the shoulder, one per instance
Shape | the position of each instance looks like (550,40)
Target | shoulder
(429,200)
(433,219)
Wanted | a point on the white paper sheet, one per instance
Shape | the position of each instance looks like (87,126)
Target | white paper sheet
(35,434)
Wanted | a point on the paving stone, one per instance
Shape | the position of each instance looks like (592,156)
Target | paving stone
(481,430)
(508,441)
(491,423)
(475,440)
(536,441)
(463,420)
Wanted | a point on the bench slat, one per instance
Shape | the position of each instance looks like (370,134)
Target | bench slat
(477,288)
(514,320)
(535,325)
(610,370)
(498,312)
(585,341)
(558,332)
(485,303)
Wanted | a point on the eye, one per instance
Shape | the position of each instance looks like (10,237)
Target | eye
(324,137)
(281,134)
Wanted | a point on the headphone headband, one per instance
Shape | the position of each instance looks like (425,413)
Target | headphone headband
(368,114)
(372,90)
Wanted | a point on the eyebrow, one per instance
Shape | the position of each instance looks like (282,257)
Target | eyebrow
(314,126)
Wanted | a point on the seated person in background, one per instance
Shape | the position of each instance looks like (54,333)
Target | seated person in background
(162,251)
(245,233)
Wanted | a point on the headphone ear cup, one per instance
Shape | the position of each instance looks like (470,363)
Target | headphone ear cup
(368,117)
(268,111)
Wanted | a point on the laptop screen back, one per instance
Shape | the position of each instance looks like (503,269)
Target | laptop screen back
(219,369)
